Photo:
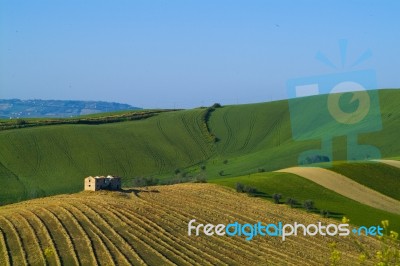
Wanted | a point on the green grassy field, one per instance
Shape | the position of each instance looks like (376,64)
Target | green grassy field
(47,160)
(259,135)
(378,176)
(54,159)
(300,189)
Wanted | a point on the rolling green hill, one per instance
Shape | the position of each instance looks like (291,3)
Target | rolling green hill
(259,135)
(53,159)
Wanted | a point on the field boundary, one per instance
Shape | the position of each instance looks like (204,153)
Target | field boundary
(389,162)
(346,187)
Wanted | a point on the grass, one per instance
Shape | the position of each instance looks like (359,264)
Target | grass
(97,119)
(293,186)
(137,227)
(378,176)
(47,160)
(257,136)
(51,160)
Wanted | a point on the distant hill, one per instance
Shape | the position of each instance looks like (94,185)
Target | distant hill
(16,108)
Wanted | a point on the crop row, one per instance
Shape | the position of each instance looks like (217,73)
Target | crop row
(149,227)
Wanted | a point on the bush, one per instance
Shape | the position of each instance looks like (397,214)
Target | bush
(315,159)
(246,189)
(308,205)
(200,179)
(291,202)
(261,170)
(221,173)
(225,161)
(277,197)
(177,171)
(216,105)
(144,181)
(20,122)
(324,213)
(250,190)
(239,187)
(203,167)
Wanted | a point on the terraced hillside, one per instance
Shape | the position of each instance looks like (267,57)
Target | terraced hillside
(150,227)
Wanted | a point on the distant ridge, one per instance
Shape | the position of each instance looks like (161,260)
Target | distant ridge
(16,108)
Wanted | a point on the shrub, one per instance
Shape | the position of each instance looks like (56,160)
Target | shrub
(324,213)
(20,122)
(277,197)
(261,170)
(250,190)
(315,159)
(216,105)
(291,202)
(144,181)
(177,171)
(203,167)
(225,161)
(221,173)
(245,189)
(308,205)
(200,179)
(239,187)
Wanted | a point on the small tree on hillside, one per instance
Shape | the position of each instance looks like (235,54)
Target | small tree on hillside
(291,202)
(308,205)
(239,187)
(277,197)
(325,213)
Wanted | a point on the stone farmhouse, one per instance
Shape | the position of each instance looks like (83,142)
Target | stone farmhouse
(102,183)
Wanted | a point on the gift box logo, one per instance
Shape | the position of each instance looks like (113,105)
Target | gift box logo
(347,105)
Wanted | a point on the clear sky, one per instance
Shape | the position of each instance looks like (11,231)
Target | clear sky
(186,53)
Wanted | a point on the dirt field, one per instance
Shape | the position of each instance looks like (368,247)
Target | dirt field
(346,187)
(149,227)
(390,162)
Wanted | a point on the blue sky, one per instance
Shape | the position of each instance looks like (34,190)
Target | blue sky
(186,53)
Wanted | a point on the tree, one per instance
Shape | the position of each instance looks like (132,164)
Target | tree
(291,202)
(221,173)
(308,205)
(20,122)
(250,190)
(325,213)
(203,167)
(277,197)
(239,187)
